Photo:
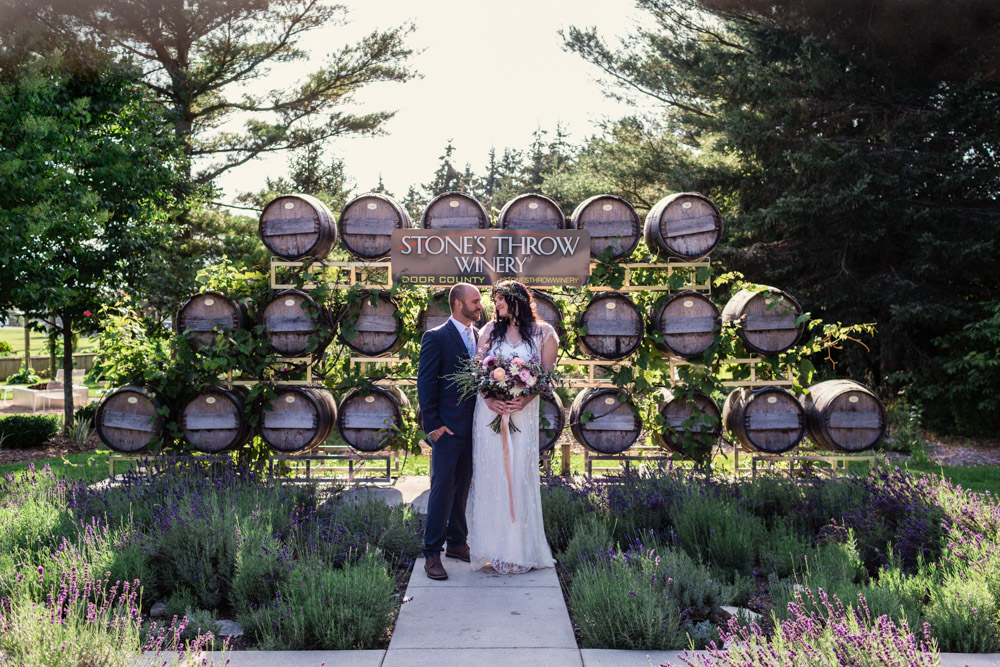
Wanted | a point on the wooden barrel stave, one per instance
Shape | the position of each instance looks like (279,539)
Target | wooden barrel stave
(366,224)
(843,416)
(687,414)
(765,328)
(214,420)
(365,421)
(615,425)
(551,420)
(686,225)
(454,210)
(203,313)
(688,322)
(547,310)
(614,326)
(290,318)
(768,420)
(531,212)
(300,418)
(612,222)
(296,226)
(127,420)
(379,327)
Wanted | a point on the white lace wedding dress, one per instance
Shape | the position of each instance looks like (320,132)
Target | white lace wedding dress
(510,547)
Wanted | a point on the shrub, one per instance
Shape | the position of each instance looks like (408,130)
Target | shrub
(963,615)
(626,603)
(6,350)
(318,607)
(262,564)
(26,431)
(562,506)
(25,375)
(86,620)
(831,635)
(87,411)
(591,537)
(717,532)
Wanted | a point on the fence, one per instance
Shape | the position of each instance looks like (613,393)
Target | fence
(10,365)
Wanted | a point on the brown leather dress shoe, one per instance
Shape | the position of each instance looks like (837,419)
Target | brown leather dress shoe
(461,552)
(434,569)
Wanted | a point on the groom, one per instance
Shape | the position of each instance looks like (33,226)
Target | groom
(448,424)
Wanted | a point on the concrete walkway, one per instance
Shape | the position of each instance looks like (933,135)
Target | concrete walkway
(483,618)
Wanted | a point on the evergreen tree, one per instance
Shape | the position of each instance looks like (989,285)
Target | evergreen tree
(858,167)
(447,178)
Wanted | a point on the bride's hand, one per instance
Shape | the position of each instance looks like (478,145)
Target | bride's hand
(517,404)
(497,406)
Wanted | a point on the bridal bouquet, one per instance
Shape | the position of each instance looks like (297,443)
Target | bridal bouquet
(505,379)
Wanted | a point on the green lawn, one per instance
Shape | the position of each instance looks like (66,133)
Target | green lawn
(39,342)
(88,467)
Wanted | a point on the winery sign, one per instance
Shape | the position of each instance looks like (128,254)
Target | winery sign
(486,256)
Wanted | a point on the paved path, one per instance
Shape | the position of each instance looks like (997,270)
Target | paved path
(483,618)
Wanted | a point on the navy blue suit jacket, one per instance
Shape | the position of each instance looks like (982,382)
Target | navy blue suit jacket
(441,350)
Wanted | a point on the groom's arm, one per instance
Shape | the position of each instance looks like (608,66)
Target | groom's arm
(429,382)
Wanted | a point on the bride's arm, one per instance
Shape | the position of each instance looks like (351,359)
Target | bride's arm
(550,347)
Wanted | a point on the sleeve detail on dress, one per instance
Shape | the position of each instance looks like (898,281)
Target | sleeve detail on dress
(547,332)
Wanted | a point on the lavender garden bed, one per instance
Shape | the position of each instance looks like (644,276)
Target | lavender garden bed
(905,564)
(297,573)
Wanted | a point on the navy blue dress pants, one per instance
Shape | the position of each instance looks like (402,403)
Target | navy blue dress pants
(451,475)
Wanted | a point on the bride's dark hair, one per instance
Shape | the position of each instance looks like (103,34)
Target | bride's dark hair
(519,306)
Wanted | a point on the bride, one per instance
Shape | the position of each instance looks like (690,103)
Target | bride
(513,542)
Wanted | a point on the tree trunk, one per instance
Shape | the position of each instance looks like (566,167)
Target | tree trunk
(53,338)
(67,375)
(27,342)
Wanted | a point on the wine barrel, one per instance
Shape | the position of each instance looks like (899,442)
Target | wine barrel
(379,328)
(128,419)
(612,223)
(531,212)
(688,322)
(551,420)
(365,421)
(547,310)
(298,418)
(843,416)
(214,420)
(297,226)
(438,311)
(454,210)
(767,420)
(290,318)
(366,224)
(614,326)
(767,319)
(203,313)
(686,225)
(692,424)
(614,425)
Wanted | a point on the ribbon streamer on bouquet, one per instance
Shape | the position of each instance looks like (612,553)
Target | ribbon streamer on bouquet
(505,437)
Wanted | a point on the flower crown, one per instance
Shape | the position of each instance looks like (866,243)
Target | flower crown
(509,292)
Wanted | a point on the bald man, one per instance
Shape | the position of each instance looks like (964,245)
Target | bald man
(448,424)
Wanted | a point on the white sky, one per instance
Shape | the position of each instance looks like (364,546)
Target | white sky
(492,73)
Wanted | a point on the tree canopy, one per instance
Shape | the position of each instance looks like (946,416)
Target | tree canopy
(858,167)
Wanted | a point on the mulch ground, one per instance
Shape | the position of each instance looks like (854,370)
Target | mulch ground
(56,447)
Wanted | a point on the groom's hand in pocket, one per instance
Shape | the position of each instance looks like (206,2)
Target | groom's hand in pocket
(438,432)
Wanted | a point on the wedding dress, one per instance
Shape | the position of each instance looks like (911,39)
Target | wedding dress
(510,546)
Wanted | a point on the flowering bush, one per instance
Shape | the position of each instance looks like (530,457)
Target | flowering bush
(833,635)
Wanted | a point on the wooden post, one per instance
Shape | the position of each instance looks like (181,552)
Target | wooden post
(565,447)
